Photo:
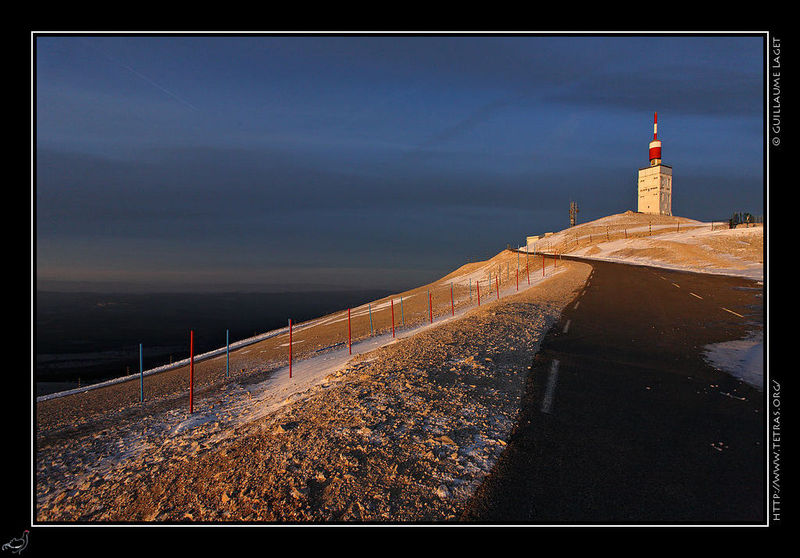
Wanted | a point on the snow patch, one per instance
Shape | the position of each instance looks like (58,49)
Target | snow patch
(743,358)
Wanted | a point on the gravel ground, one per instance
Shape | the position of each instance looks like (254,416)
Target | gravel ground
(402,434)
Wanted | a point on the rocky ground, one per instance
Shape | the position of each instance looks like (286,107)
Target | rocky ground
(404,433)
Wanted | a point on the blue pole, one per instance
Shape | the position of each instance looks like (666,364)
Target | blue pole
(227,353)
(141,375)
(370,319)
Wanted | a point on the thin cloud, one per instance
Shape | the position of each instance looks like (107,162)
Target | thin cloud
(143,77)
(480,115)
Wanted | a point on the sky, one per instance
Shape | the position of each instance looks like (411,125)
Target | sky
(263,162)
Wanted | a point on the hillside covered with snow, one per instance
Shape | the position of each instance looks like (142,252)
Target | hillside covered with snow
(663,241)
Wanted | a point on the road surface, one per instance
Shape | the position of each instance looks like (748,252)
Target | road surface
(624,422)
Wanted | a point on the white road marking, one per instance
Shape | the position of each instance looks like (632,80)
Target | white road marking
(698,296)
(576,305)
(677,285)
(566,326)
(732,312)
(547,401)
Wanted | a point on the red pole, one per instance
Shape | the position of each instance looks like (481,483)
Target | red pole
(290,347)
(191,371)
(392,318)
(349,334)
(430,304)
(497,286)
(517,279)
(452,303)
(527,266)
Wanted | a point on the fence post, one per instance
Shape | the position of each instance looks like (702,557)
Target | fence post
(392,318)
(470,289)
(402,314)
(141,375)
(290,347)
(497,286)
(349,333)
(452,303)
(478,286)
(430,304)
(517,279)
(371,330)
(191,371)
(227,353)
(528,268)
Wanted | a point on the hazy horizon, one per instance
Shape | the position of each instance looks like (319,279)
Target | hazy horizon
(100,287)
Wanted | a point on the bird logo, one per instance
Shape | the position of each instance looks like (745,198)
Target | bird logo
(17,545)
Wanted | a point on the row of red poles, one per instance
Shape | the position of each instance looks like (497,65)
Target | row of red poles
(349,327)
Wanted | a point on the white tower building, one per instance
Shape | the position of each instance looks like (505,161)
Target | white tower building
(655,181)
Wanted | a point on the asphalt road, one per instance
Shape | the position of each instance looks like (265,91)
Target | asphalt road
(624,423)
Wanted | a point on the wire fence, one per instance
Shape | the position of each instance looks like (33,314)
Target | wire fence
(473,285)
(584,236)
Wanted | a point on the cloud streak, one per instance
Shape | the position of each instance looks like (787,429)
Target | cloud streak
(142,76)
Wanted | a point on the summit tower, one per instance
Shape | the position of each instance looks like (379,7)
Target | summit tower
(655,181)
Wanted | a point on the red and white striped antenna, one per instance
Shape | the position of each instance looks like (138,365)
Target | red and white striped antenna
(655,145)
(655,126)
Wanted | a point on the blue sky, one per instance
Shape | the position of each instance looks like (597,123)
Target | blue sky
(215,162)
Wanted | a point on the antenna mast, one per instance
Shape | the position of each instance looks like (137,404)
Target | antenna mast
(573,213)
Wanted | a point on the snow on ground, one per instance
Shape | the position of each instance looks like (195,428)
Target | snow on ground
(683,251)
(154,439)
(684,245)
(84,459)
(264,397)
(743,358)
(668,242)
